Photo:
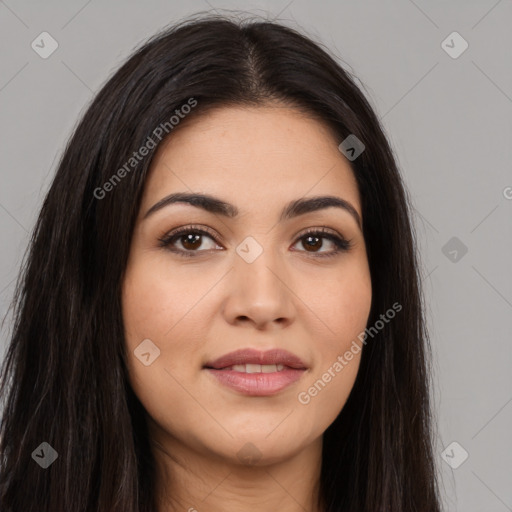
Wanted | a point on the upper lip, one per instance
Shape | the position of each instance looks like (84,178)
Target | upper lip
(253,356)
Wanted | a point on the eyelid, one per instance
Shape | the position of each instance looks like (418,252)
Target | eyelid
(192,227)
(319,229)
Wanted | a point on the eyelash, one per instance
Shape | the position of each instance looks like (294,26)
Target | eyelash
(342,245)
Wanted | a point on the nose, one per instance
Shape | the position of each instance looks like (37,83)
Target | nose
(259,294)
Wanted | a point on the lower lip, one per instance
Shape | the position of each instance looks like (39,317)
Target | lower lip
(257,384)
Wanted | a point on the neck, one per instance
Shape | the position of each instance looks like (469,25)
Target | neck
(188,480)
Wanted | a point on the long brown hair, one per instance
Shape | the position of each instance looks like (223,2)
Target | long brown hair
(63,379)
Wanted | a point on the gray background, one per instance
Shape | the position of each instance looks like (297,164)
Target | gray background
(448,119)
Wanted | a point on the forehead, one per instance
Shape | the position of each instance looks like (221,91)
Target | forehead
(253,157)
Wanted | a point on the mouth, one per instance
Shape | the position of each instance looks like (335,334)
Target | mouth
(254,359)
(253,368)
(255,373)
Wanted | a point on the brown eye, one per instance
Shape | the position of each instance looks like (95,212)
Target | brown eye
(191,240)
(312,241)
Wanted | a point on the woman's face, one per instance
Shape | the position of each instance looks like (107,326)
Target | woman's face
(256,280)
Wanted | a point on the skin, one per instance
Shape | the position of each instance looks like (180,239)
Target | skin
(199,308)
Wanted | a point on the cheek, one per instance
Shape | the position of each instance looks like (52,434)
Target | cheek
(161,309)
(173,311)
(341,306)
(325,393)
(158,306)
(338,303)
(338,354)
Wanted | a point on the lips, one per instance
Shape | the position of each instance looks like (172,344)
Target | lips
(254,373)
(251,357)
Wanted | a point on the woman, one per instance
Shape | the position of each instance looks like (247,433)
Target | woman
(221,307)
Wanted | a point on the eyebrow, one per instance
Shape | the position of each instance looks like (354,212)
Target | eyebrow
(292,209)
